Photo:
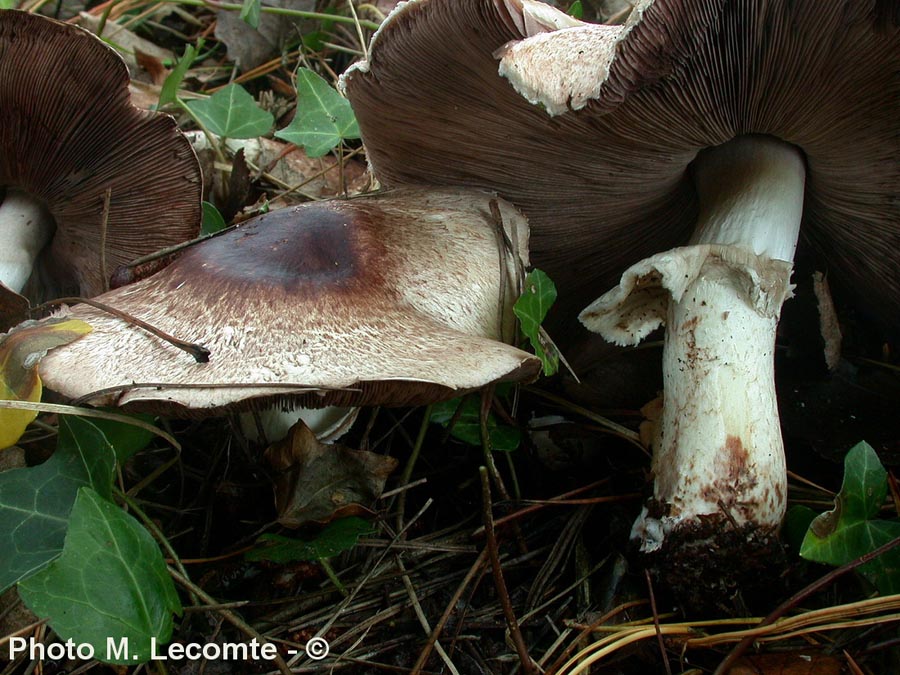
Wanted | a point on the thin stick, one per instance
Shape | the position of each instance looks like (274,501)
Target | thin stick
(494,555)
(420,614)
(626,433)
(199,352)
(88,412)
(659,637)
(487,395)
(411,463)
(474,570)
(229,616)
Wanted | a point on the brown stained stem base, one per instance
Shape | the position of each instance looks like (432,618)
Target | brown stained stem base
(198,352)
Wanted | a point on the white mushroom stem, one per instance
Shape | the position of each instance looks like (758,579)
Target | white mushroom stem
(25,228)
(328,424)
(718,455)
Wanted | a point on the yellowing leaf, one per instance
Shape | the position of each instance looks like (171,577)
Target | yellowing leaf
(20,351)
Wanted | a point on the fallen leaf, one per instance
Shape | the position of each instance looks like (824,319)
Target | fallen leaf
(249,47)
(125,41)
(319,482)
(13,308)
(289,166)
(20,351)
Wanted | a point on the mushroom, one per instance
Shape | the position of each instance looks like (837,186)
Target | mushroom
(87,181)
(394,299)
(690,146)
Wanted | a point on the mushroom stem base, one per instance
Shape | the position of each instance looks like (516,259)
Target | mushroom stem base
(718,450)
(710,567)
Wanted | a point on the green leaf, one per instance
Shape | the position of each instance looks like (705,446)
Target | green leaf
(212,220)
(35,502)
(531,308)
(125,439)
(849,531)
(323,118)
(467,427)
(231,112)
(250,11)
(169,91)
(110,582)
(8,4)
(337,537)
(576,10)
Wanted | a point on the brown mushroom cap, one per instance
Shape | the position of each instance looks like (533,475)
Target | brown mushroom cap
(400,297)
(608,184)
(68,133)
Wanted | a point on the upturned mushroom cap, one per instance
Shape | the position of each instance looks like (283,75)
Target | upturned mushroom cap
(68,133)
(601,165)
(401,298)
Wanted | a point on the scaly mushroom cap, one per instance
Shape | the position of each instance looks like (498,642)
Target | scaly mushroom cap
(604,177)
(401,297)
(68,133)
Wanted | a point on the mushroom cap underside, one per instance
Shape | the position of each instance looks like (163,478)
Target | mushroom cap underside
(68,133)
(609,184)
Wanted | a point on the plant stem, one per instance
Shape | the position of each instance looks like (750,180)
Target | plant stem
(371,25)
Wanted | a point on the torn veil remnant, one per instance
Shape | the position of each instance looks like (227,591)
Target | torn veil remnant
(88,182)
(397,298)
(714,131)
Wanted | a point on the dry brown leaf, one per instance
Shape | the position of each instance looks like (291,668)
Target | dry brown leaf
(250,47)
(13,308)
(289,166)
(126,41)
(320,482)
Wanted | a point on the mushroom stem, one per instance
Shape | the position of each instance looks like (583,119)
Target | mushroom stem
(25,227)
(718,456)
(269,425)
(751,195)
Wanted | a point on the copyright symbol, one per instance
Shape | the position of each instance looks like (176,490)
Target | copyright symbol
(317,648)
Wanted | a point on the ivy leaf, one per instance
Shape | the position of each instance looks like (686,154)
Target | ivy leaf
(467,427)
(35,501)
(232,113)
(126,439)
(212,220)
(337,537)
(323,119)
(20,351)
(250,12)
(576,10)
(531,308)
(169,91)
(849,530)
(110,581)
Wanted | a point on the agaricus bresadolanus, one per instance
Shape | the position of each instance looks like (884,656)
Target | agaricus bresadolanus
(395,299)
(727,126)
(88,182)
